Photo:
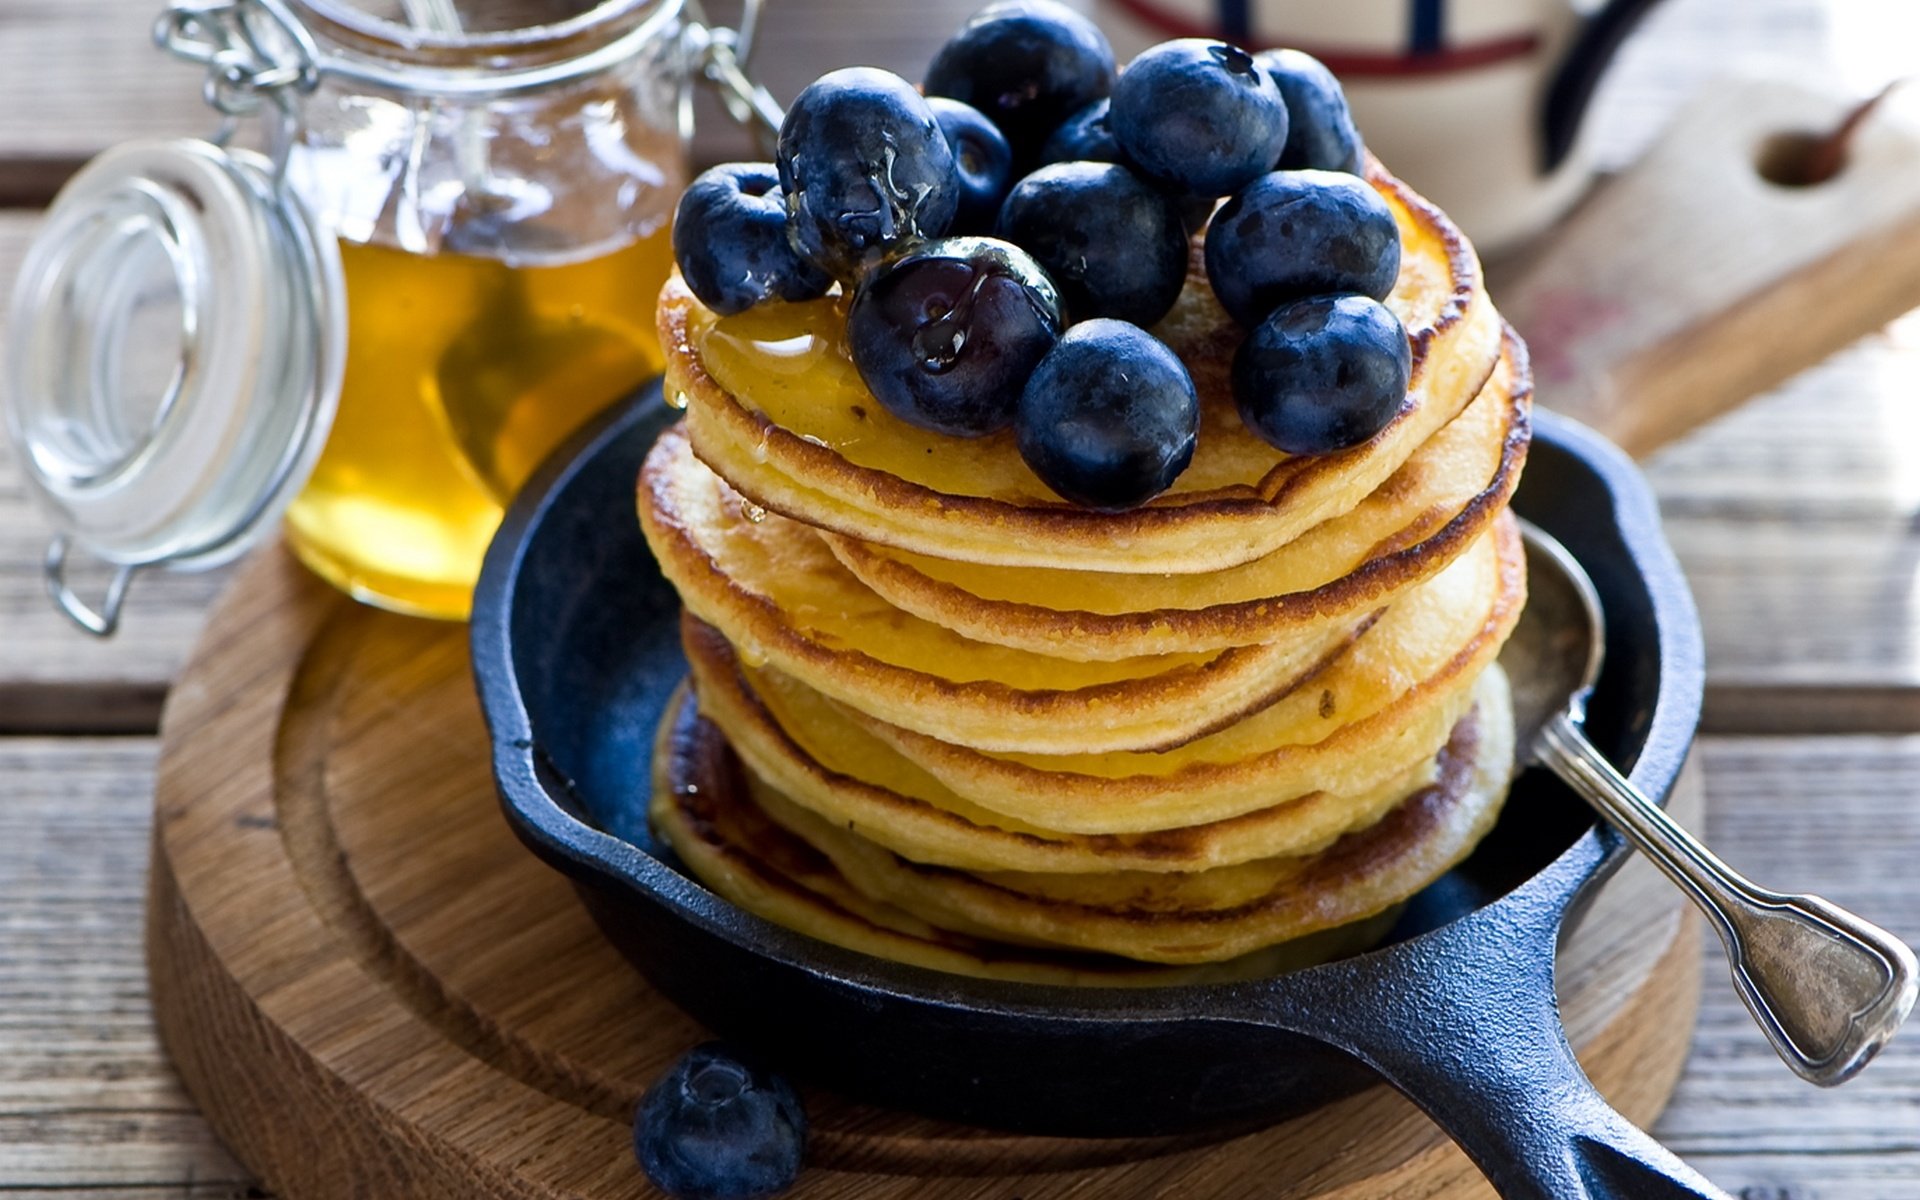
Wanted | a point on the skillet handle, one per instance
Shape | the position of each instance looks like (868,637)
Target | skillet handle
(1502,1081)
(1468,1028)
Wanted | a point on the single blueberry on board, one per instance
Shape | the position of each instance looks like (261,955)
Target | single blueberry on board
(1028,65)
(1323,374)
(1199,116)
(982,159)
(1109,419)
(730,240)
(1114,246)
(720,1126)
(866,169)
(1321,135)
(946,335)
(1290,234)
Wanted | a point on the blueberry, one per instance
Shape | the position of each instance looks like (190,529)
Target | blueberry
(983,160)
(720,1126)
(946,335)
(1323,373)
(730,239)
(1199,116)
(1114,246)
(1320,130)
(1028,65)
(1086,136)
(866,170)
(1109,419)
(1300,233)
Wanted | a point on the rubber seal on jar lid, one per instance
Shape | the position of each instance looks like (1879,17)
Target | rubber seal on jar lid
(175,355)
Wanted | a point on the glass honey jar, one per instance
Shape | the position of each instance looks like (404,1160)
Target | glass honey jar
(444,263)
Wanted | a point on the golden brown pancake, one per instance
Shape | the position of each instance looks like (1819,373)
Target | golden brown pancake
(1408,529)
(813,753)
(700,807)
(776,407)
(1384,704)
(1210,915)
(772,586)
(1193,918)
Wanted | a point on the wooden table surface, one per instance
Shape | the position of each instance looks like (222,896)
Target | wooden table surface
(1797,519)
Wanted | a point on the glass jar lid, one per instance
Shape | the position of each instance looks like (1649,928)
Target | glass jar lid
(174,360)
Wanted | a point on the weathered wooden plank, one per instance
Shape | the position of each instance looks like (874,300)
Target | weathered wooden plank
(193,1189)
(1794,519)
(79,76)
(1835,444)
(87,1100)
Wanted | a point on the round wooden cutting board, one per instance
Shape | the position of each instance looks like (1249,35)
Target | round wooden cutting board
(374,991)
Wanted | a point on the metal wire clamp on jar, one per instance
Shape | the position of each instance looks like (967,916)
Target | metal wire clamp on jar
(445,261)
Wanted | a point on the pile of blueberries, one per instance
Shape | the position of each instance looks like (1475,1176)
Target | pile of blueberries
(1008,239)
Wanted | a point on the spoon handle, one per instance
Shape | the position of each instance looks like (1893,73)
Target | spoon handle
(1828,988)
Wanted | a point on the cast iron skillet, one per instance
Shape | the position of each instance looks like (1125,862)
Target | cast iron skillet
(576,650)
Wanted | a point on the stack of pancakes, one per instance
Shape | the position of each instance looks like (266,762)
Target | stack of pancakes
(940,715)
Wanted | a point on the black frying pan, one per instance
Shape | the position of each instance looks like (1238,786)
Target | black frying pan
(575,646)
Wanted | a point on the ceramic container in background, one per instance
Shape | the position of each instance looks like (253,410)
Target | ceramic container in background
(1476,103)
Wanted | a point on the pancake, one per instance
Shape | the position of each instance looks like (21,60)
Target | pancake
(1208,915)
(776,407)
(700,808)
(1408,529)
(819,758)
(1380,706)
(777,592)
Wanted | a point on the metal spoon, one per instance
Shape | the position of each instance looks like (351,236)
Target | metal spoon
(1828,988)
(470,145)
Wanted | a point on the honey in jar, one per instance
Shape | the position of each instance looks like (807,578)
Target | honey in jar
(463,373)
(445,263)
(502,255)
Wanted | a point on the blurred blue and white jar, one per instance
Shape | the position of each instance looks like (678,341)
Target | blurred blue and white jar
(1477,103)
